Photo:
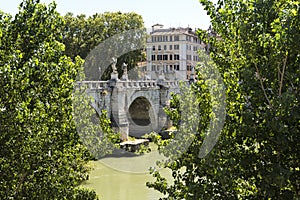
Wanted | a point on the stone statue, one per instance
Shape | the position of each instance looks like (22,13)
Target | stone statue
(113,65)
(114,74)
(193,69)
(124,66)
(125,75)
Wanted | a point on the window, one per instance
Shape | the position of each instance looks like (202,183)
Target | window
(176,67)
(171,47)
(171,67)
(153,48)
(166,68)
(188,38)
(153,67)
(165,57)
(171,57)
(176,57)
(159,47)
(176,47)
(171,38)
(159,57)
(176,38)
(153,57)
(189,57)
(165,47)
(152,38)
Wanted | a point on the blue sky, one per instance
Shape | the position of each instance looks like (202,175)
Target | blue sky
(170,13)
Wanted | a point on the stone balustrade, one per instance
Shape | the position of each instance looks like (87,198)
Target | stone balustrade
(171,83)
(93,85)
(138,84)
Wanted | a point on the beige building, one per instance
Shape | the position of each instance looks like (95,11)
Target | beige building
(172,53)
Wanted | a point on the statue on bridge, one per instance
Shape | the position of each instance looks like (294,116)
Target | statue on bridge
(114,74)
(113,65)
(124,68)
(125,75)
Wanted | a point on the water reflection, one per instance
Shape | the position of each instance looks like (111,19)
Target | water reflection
(124,178)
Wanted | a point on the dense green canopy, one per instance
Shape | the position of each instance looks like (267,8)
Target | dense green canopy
(255,45)
(41,155)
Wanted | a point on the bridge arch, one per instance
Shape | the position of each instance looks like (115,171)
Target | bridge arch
(142,114)
(140,111)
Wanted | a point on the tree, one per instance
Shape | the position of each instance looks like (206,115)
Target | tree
(82,34)
(255,47)
(40,153)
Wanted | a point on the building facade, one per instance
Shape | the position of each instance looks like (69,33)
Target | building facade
(172,53)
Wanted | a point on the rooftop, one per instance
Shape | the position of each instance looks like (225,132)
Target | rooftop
(158,29)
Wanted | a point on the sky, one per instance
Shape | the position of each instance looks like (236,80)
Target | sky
(170,13)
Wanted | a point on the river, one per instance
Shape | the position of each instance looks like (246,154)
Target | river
(125,177)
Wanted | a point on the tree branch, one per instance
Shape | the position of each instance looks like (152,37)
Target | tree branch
(262,84)
(282,75)
(23,176)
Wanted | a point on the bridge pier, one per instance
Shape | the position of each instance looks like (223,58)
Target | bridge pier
(118,108)
(163,102)
(124,131)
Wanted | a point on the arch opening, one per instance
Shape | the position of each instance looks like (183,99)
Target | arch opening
(139,111)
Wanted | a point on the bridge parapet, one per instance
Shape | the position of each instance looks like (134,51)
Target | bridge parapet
(130,84)
(173,84)
(94,85)
(170,83)
(139,84)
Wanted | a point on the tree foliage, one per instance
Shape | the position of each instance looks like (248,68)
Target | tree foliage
(255,47)
(82,34)
(40,153)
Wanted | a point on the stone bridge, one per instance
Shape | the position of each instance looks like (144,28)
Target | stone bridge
(134,107)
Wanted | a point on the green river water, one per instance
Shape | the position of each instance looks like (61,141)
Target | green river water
(124,177)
